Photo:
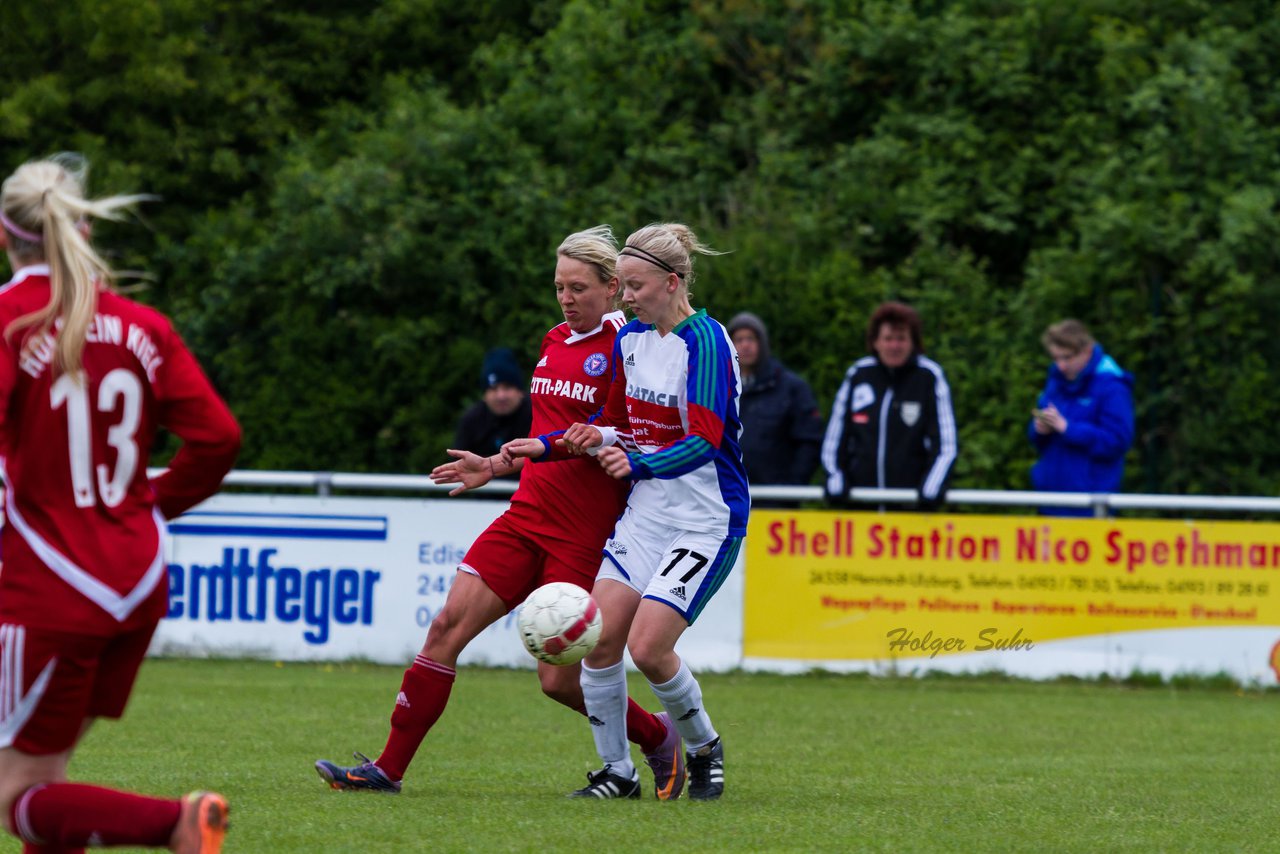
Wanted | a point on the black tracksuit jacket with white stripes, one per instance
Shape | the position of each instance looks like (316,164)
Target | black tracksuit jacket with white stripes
(891,428)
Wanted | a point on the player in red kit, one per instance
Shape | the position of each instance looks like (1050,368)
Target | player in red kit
(532,543)
(87,377)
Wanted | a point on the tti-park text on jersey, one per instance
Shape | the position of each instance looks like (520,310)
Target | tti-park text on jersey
(249,586)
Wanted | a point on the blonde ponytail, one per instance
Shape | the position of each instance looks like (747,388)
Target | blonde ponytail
(45,200)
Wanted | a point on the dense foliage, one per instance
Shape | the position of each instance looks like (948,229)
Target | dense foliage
(360,198)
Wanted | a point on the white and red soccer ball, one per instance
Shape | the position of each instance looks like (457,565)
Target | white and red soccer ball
(559,623)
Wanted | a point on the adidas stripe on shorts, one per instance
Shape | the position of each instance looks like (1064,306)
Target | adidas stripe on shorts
(682,568)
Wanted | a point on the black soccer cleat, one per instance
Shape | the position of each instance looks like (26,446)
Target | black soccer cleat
(605,784)
(706,771)
(366,776)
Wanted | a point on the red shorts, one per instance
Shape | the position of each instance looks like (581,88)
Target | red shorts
(60,679)
(514,562)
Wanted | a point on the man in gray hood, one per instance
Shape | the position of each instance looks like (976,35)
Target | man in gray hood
(782,427)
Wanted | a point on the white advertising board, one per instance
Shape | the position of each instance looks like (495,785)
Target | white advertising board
(298,578)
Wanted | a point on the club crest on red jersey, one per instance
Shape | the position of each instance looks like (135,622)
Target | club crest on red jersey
(596,364)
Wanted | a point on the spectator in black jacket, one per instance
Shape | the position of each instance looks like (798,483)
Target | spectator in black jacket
(891,423)
(781,424)
(504,413)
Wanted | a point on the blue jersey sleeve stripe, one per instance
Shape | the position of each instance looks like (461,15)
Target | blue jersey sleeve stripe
(689,334)
(686,455)
(723,367)
(700,452)
(712,364)
(706,385)
(710,370)
(676,455)
(698,344)
(725,356)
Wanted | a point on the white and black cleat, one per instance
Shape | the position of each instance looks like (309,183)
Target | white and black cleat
(605,784)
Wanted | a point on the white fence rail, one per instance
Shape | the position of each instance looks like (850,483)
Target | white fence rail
(323,483)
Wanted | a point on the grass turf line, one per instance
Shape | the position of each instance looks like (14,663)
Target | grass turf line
(813,763)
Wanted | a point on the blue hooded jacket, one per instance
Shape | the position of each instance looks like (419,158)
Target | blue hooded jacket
(1089,455)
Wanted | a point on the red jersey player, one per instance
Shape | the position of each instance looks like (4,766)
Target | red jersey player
(674,405)
(86,379)
(533,542)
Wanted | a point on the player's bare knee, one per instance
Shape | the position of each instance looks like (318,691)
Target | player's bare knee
(649,658)
(19,772)
(561,684)
(606,653)
(444,636)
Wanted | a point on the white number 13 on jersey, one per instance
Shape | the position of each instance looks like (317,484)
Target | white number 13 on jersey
(121,390)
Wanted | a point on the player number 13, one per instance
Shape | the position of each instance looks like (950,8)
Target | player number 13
(120,389)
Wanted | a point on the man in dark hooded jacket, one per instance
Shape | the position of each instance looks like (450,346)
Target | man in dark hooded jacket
(503,413)
(782,427)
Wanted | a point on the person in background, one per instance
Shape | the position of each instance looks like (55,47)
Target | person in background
(892,425)
(502,414)
(553,531)
(782,428)
(1082,425)
(87,378)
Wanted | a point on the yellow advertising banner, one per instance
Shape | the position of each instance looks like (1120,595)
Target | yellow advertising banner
(879,586)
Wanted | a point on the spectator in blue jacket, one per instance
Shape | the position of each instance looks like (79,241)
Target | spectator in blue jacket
(1082,425)
(782,427)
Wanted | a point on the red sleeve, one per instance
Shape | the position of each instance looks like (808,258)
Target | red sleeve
(616,413)
(193,411)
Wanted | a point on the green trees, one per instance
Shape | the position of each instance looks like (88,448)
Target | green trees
(359,201)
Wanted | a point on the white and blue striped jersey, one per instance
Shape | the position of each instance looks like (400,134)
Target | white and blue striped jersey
(673,405)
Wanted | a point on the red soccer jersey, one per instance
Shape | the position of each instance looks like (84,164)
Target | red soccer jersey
(83,539)
(572,500)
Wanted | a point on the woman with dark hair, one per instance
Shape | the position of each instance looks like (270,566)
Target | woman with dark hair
(892,425)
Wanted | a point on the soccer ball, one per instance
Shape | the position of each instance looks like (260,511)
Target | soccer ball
(559,623)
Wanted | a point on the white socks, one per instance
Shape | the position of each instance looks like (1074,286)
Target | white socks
(605,693)
(682,698)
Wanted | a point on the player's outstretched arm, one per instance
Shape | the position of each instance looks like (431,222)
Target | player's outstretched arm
(468,470)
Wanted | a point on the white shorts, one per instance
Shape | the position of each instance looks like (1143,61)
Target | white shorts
(681,568)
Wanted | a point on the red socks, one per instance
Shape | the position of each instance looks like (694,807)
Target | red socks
(643,728)
(60,818)
(424,692)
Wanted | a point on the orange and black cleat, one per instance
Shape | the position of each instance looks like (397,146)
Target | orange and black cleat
(667,762)
(365,776)
(202,824)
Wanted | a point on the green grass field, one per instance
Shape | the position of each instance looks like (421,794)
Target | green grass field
(813,763)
